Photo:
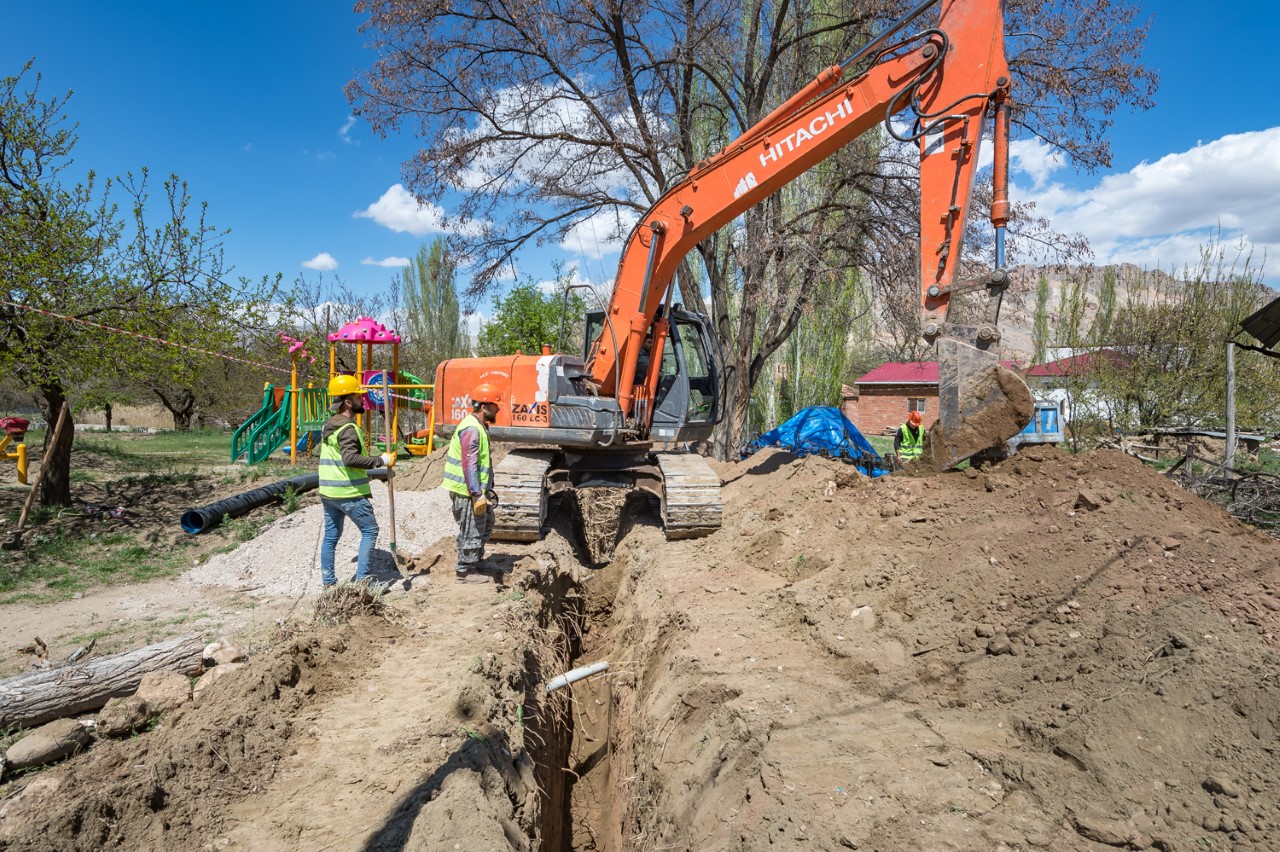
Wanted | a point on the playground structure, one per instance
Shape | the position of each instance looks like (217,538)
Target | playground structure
(293,416)
(407,390)
(15,430)
(285,414)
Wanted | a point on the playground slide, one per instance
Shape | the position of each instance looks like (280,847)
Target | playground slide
(269,428)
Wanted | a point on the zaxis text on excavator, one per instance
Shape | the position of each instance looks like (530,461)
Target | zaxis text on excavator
(651,373)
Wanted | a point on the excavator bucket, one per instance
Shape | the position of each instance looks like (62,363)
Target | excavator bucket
(981,404)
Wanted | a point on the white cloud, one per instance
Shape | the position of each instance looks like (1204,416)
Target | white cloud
(601,234)
(344,132)
(398,210)
(1161,214)
(602,289)
(323,261)
(387,262)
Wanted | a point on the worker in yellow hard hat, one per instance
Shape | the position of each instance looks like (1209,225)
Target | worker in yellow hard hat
(468,477)
(344,481)
(908,442)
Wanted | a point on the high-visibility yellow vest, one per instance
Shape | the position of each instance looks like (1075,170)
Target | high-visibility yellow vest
(336,479)
(455,481)
(910,446)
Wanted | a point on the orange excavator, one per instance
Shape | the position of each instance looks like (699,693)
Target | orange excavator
(651,373)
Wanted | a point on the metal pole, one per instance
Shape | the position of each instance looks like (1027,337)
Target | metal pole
(293,413)
(1230,456)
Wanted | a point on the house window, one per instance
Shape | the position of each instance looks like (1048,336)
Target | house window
(915,404)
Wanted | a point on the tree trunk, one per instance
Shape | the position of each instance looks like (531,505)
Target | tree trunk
(181,405)
(55,485)
(33,699)
(106,415)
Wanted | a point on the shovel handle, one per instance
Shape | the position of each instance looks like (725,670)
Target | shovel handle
(391,449)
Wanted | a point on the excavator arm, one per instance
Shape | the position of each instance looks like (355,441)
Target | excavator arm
(950,80)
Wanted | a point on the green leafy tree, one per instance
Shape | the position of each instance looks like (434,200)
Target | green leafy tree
(68,249)
(1101,331)
(526,319)
(433,325)
(1170,343)
(1040,322)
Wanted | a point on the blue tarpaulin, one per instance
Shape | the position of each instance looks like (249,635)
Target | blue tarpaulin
(823,431)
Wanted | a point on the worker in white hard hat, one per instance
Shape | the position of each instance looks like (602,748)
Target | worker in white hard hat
(344,479)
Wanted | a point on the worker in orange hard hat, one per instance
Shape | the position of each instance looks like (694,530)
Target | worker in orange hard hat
(468,477)
(344,479)
(908,442)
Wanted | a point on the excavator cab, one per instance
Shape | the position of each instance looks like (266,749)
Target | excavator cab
(688,402)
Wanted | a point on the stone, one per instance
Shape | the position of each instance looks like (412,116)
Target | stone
(224,651)
(984,631)
(123,716)
(1000,645)
(213,675)
(164,691)
(47,743)
(1088,500)
(1102,830)
(1219,784)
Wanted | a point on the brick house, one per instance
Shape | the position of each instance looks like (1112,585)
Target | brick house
(879,401)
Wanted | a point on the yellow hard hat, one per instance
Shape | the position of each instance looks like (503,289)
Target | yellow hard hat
(343,386)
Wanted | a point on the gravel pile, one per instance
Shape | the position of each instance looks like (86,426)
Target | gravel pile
(284,559)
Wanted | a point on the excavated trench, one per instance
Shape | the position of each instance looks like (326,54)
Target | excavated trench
(573,731)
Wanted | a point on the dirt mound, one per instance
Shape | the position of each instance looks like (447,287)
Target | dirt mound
(1061,652)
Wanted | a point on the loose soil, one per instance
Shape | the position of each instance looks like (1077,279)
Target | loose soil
(1056,653)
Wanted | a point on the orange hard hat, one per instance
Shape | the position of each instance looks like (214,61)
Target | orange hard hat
(914,418)
(485,392)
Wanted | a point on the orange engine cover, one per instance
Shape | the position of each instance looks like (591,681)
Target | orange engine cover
(522,382)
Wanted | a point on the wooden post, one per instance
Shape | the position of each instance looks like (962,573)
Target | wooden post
(1229,460)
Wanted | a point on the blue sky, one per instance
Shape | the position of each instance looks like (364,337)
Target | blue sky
(244,101)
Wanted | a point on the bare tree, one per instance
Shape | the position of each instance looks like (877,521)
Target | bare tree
(557,120)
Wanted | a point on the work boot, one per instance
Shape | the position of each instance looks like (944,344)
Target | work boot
(471,577)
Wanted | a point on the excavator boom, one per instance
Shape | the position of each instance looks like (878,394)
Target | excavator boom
(652,373)
(952,79)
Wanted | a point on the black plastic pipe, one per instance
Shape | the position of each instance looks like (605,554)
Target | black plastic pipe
(196,521)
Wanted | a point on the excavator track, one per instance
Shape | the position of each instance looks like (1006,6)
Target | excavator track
(691,505)
(521,482)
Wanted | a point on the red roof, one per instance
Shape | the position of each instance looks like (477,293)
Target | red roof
(902,373)
(1077,365)
(909,373)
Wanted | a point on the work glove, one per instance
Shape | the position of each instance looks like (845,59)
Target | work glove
(480,505)
(492,497)
(388,459)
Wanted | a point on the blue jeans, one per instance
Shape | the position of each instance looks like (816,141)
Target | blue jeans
(359,510)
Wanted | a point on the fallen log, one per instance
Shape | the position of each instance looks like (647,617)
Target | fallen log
(33,699)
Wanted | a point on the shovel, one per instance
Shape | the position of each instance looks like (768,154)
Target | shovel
(390,445)
(15,542)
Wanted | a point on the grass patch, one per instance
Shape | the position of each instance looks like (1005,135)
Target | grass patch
(198,447)
(54,566)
